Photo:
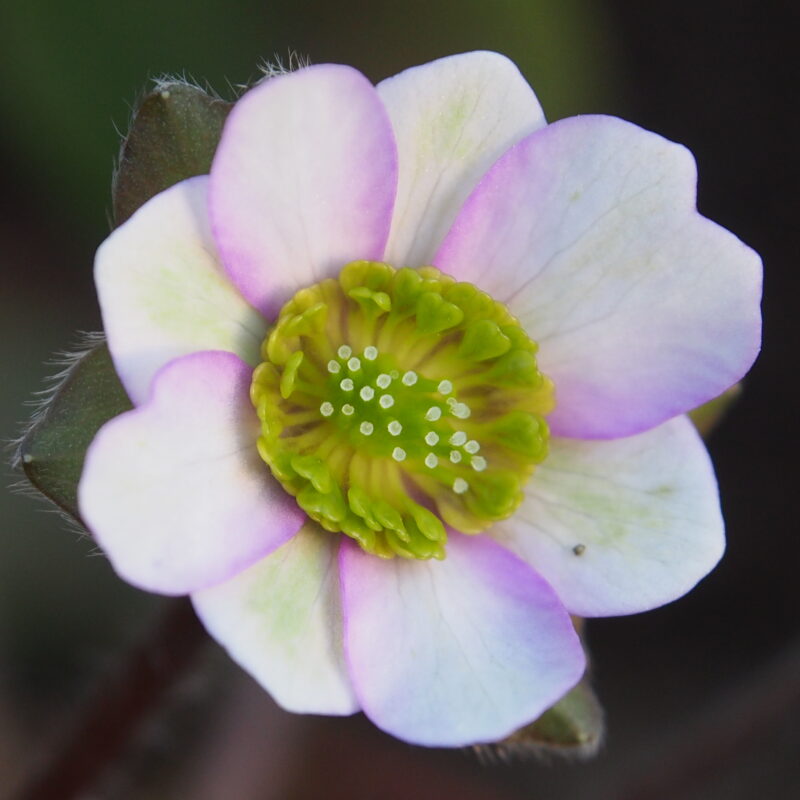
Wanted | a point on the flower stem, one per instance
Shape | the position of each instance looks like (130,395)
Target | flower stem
(101,728)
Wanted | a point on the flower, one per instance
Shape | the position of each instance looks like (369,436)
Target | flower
(243,309)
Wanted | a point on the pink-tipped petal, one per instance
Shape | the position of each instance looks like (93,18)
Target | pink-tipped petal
(453,118)
(643,309)
(621,526)
(303,182)
(175,492)
(163,293)
(455,652)
(281,620)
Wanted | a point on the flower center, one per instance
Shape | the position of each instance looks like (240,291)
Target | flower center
(395,402)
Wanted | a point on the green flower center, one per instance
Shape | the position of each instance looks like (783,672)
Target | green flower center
(395,402)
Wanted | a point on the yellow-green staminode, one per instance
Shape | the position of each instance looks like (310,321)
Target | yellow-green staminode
(395,402)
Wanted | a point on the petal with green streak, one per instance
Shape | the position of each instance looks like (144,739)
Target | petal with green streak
(281,620)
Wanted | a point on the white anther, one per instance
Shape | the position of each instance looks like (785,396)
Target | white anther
(478,463)
(344,351)
(366,428)
(386,401)
(410,378)
(445,387)
(395,428)
(455,456)
(334,367)
(460,486)
(398,454)
(431,438)
(354,364)
(383,380)
(451,401)
(326,409)
(460,410)
(431,461)
(433,413)
(367,393)
(458,438)
(370,353)
(472,446)
(348,410)
(346,385)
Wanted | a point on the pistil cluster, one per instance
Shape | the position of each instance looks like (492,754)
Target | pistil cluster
(395,402)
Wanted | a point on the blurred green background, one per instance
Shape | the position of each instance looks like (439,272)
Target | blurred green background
(717,77)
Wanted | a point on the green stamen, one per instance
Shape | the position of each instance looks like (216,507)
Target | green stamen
(395,402)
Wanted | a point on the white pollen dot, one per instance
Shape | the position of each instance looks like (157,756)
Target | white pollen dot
(386,401)
(472,446)
(455,456)
(384,380)
(334,367)
(398,454)
(354,364)
(347,385)
(451,401)
(370,353)
(410,378)
(460,486)
(431,461)
(460,410)
(347,410)
(478,463)
(326,409)
(445,387)
(433,413)
(431,438)
(367,393)
(366,428)
(458,438)
(395,428)
(344,351)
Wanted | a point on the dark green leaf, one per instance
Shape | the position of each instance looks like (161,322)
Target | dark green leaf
(574,725)
(710,414)
(173,136)
(53,450)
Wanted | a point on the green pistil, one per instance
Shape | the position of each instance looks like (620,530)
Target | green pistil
(395,402)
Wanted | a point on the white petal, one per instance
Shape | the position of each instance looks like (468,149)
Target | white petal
(303,181)
(175,492)
(643,309)
(452,119)
(458,651)
(281,620)
(621,526)
(163,293)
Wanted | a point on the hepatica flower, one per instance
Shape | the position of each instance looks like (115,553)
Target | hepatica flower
(409,370)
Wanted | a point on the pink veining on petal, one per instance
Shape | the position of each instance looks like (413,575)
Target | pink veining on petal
(454,652)
(174,491)
(643,309)
(303,181)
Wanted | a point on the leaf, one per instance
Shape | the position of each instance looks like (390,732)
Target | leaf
(574,725)
(173,136)
(710,414)
(53,450)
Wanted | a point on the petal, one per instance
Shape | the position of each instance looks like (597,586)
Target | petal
(175,492)
(621,526)
(457,651)
(281,620)
(303,182)
(163,292)
(643,308)
(453,118)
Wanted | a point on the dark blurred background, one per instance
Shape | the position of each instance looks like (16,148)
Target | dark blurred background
(703,696)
